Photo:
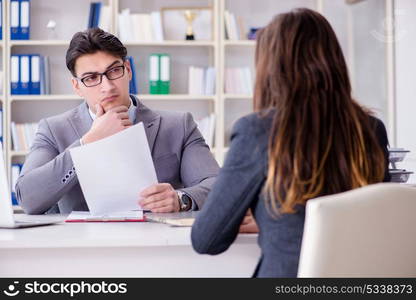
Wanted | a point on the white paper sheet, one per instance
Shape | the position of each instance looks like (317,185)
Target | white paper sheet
(113,171)
(85,216)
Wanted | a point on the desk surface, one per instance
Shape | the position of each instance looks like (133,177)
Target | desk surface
(91,234)
(133,249)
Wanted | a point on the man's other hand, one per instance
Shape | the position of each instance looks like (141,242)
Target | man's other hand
(160,197)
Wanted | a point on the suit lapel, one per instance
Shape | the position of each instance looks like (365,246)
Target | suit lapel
(151,122)
(81,120)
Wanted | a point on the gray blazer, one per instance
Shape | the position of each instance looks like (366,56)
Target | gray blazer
(48,182)
(239,186)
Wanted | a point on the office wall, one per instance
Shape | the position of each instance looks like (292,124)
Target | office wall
(359,28)
(405,59)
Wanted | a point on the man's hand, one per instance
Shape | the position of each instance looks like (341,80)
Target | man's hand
(249,225)
(108,123)
(160,197)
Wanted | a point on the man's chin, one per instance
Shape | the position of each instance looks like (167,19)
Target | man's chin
(108,106)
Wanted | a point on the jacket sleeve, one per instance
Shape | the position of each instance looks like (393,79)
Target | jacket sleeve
(198,167)
(237,186)
(46,175)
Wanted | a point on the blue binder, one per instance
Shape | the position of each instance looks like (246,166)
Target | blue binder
(24,63)
(91,15)
(15,75)
(24,13)
(1,20)
(14,20)
(97,12)
(133,82)
(35,73)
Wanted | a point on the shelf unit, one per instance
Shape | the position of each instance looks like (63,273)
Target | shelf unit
(218,53)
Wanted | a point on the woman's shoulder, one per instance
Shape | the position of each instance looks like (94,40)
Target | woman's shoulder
(256,122)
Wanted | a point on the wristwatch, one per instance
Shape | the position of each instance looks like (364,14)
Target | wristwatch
(185,202)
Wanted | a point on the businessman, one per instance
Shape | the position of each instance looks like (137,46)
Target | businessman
(100,72)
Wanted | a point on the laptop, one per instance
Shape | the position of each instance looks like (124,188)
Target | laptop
(6,210)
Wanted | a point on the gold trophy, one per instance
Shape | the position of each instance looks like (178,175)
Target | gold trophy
(190,17)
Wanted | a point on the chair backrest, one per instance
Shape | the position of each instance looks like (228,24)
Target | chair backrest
(366,232)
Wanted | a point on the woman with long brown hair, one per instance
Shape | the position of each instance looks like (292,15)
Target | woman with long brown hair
(307,138)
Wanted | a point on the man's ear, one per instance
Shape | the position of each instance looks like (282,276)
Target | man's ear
(128,68)
(76,87)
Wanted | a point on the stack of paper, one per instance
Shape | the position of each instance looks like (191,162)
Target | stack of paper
(85,216)
(183,219)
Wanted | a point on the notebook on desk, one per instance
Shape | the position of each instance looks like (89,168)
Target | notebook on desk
(181,219)
(85,216)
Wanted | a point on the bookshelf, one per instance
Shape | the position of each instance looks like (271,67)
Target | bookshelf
(219,53)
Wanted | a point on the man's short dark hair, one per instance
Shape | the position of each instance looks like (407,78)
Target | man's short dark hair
(91,41)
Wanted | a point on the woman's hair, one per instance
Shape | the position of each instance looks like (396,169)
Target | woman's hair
(321,141)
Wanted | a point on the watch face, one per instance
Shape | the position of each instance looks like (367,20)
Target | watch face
(186,202)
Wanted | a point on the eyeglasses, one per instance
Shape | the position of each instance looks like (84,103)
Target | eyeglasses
(97,78)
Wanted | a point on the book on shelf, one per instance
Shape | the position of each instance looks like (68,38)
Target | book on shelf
(140,27)
(23,135)
(19,19)
(29,74)
(99,16)
(159,73)
(206,126)
(201,81)
(133,81)
(235,28)
(238,81)
(1,19)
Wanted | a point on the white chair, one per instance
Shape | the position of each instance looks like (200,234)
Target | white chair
(366,232)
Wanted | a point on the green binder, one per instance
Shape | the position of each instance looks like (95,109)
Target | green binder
(164,78)
(154,74)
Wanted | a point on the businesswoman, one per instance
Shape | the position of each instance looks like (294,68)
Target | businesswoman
(307,138)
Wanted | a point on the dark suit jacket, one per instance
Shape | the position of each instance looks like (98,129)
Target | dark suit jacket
(238,187)
(48,181)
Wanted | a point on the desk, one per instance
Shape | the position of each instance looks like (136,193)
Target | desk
(117,250)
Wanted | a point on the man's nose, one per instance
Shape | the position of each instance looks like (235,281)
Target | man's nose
(106,84)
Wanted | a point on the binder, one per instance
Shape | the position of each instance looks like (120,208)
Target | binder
(133,82)
(14,76)
(34,87)
(15,138)
(164,84)
(91,15)
(24,74)
(1,19)
(97,12)
(24,19)
(154,74)
(14,20)
(45,77)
